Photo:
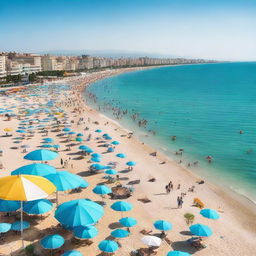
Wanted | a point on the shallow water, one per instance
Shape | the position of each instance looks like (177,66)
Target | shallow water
(205,106)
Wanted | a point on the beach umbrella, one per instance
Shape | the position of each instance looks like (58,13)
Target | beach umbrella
(85,232)
(9,206)
(131,163)
(98,131)
(46,146)
(52,242)
(121,155)
(95,159)
(98,167)
(25,188)
(35,169)
(151,241)
(41,155)
(128,222)
(210,214)
(102,190)
(72,253)
(64,180)
(200,230)
(5,227)
(110,149)
(111,172)
(56,146)
(20,225)
(97,155)
(79,139)
(71,133)
(108,137)
(39,206)
(115,142)
(21,131)
(89,150)
(121,206)
(163,225)
(178,253)
(79,212)
(120,233)
(66,129)
(48,140)
(108,246)
(83,147)
(79,135)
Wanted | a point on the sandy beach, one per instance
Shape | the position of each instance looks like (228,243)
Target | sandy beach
(233,234)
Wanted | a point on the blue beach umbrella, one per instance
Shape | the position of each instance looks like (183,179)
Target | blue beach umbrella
(121,206)
(89,150)
(200,230)
(71,133)
(64,180)
(98,131)
(210,214)
(72,253)
(5,227)
(96,159)
(178,253)
(48,140)
(115,142)
(52,242)
(9,206)
(35,169)
(56,146)
(128,222)
(120,233)
(108,137)
(79,212)
(108,246)
(111,172)
(163,225)
(79,135)
(66,129)
(41,155)
(40,206)
(83,147)
(46,146)
(102,190)
(121,155)
(110,149)
(98,167)
(96,155)
(131,163)
(79,139)
(85,232)
(17,225)
(21,131)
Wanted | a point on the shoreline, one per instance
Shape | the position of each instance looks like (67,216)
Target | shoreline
(232,193)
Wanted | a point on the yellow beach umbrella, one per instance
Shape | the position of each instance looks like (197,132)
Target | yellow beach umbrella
(8,129)
(25,188)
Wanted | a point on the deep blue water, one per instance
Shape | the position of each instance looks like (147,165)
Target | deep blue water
(205,106)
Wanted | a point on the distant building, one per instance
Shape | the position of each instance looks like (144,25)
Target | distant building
(2,66)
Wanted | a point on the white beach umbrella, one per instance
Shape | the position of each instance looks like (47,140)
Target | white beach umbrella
(151,241)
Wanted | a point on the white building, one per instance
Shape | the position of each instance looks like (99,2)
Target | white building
(2,66)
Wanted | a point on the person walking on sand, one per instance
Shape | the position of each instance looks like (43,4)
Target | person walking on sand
(178,187)
(61,162)
(178,202)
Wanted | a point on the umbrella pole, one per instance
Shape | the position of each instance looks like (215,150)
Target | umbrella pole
(21,221)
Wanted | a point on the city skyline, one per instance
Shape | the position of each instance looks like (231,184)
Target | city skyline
(221,30)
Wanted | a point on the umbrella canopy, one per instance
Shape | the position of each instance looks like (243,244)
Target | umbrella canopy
(98,130)
(120,233)
(128,222)
(9,206)
(108,246)
(79,139)
(46,146)
(5,227)
(52,242)
(200,230)
(35,169)
(66,129)
(85,232)
(121,155)
(102,190)
(64,180)
(25,187)
(97,155)
(96,159)
(210,214)
(80,212)
(20,225)
(41,155)
(72,253)
(163,225)
(111,172)
(40,206)
(115,142)
(48,139)
(79,135)
(131,163)
(178,253)
(121,206)
(151,241)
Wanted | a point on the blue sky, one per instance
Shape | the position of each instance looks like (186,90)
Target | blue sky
(218,29)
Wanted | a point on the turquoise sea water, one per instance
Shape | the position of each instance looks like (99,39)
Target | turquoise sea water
(205,106)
